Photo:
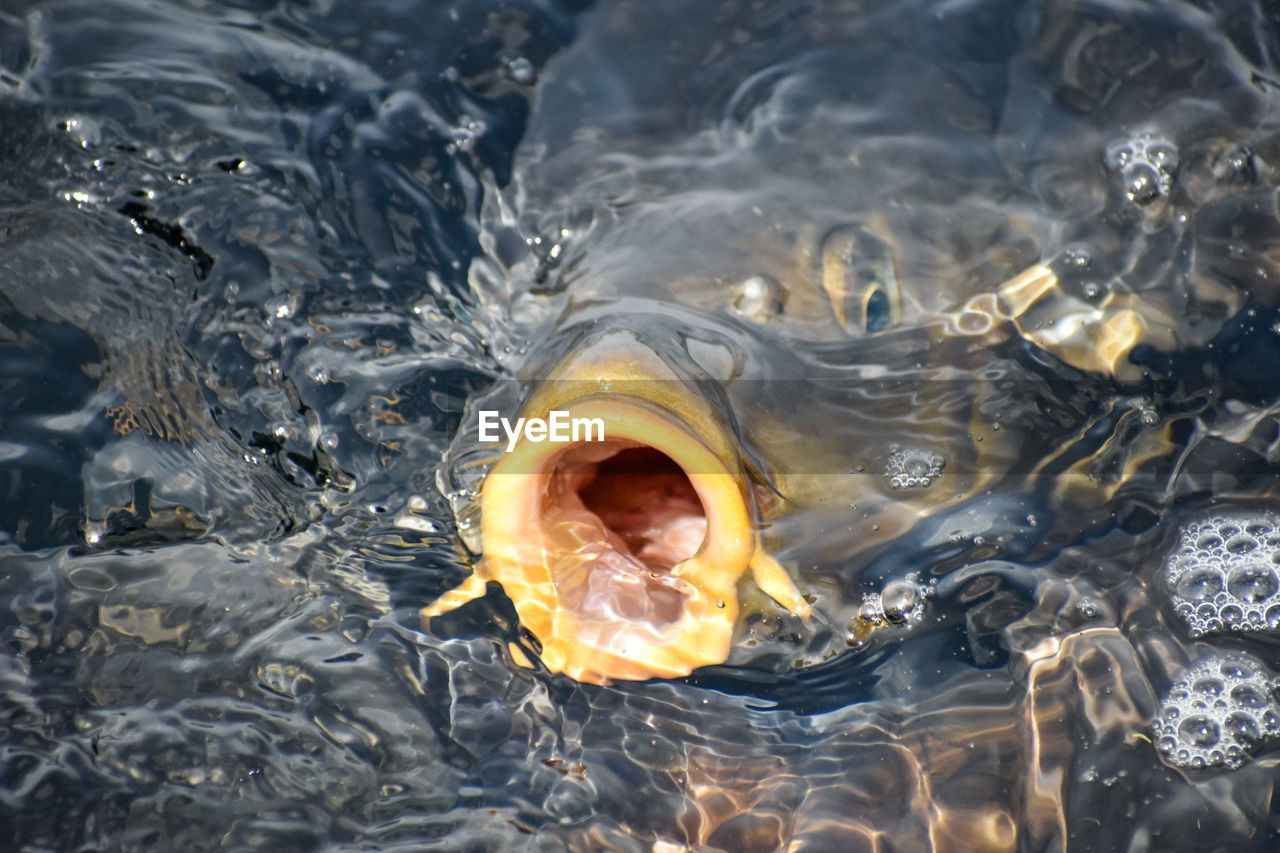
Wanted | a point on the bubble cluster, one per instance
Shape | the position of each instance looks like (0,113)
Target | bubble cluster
(1146,163)
(1225,574)
(1222,711)
(900,602)
(466,134)
(913,467)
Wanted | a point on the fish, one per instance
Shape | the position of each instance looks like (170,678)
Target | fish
(623,552)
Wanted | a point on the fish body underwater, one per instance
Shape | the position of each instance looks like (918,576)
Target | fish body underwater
(817,395)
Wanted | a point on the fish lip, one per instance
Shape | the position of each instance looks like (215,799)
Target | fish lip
(513,538)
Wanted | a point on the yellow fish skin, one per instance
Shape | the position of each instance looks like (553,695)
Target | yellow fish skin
(623,556)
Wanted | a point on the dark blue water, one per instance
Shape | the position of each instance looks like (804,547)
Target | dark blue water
(257,259)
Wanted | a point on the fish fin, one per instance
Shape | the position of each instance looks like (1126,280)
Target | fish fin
(774,582)
(470,589)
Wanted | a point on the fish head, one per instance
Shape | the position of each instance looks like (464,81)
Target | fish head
(621,537)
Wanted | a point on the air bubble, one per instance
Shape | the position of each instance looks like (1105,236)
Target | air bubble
(281,307)
(757,298)
(1208,686)
(1199,584)
(1231,669)
(898,601)
(521,71)
(1244,728)
(1253,583)
(1142,183)
(870,610)
(1241,544)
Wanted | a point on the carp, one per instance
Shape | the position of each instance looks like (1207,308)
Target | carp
(623,551)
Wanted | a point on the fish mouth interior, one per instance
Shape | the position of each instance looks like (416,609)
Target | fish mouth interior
(621,516)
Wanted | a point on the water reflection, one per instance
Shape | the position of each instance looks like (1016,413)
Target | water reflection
(260,262)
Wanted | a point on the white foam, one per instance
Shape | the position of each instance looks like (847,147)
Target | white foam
(1222,711)
(1225,574)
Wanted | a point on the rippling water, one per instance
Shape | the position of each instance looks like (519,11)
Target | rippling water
(258,258)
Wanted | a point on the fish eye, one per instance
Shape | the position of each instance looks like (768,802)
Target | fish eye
(859,278)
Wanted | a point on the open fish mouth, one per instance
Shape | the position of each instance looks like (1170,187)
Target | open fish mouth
(622,553)
(621,523)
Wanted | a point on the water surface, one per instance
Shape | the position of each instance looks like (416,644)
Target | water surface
(257,258)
